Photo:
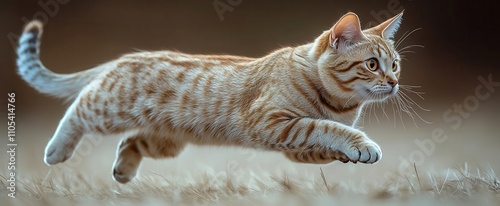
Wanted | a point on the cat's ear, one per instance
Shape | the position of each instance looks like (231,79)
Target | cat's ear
(388,28)
(346,31)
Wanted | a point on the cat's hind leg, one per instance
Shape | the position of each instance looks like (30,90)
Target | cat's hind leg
(132,149)
(68,134)
(128,159)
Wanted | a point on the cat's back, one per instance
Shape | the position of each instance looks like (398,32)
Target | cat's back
(172,60)
(163,71)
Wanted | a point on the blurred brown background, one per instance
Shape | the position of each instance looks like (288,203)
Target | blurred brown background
(460,39)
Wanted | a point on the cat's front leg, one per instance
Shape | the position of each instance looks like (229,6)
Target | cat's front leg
(303,134)
(315,156)
(324,156)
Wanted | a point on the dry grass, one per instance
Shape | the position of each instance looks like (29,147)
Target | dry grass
(457,186)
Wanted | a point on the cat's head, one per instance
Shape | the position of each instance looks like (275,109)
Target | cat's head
(360,65)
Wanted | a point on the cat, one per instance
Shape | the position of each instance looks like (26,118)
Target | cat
(301,101)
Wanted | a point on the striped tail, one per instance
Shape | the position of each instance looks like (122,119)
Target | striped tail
(31,69)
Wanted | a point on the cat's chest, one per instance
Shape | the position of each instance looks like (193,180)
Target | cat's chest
(347,118)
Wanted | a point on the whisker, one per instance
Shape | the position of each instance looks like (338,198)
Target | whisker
(410,89)
(407,51)
(409,110)
(369,114)
(412,112)
(404,37)
(409,47)
(401,39)
(362,100)
(371,108)
(410,86)
(383,104)
(399,109)
(375,112)
(411,102)
(393,110)
(345,105)
(402,104)
(404,95)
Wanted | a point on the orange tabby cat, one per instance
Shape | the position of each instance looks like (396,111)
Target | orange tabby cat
(303,101)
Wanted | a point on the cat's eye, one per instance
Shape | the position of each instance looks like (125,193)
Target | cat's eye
(372,64)
(394,66)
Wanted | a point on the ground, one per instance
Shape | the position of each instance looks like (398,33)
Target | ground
(457,187)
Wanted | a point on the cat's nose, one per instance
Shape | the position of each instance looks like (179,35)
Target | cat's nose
(392,82)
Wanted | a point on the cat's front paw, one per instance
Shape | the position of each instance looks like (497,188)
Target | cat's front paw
(362,150)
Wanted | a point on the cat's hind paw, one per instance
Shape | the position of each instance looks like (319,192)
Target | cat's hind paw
(56,154)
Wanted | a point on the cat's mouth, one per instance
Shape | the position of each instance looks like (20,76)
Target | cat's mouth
(381,92)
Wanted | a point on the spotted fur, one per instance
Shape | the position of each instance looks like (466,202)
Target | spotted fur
(302,101)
